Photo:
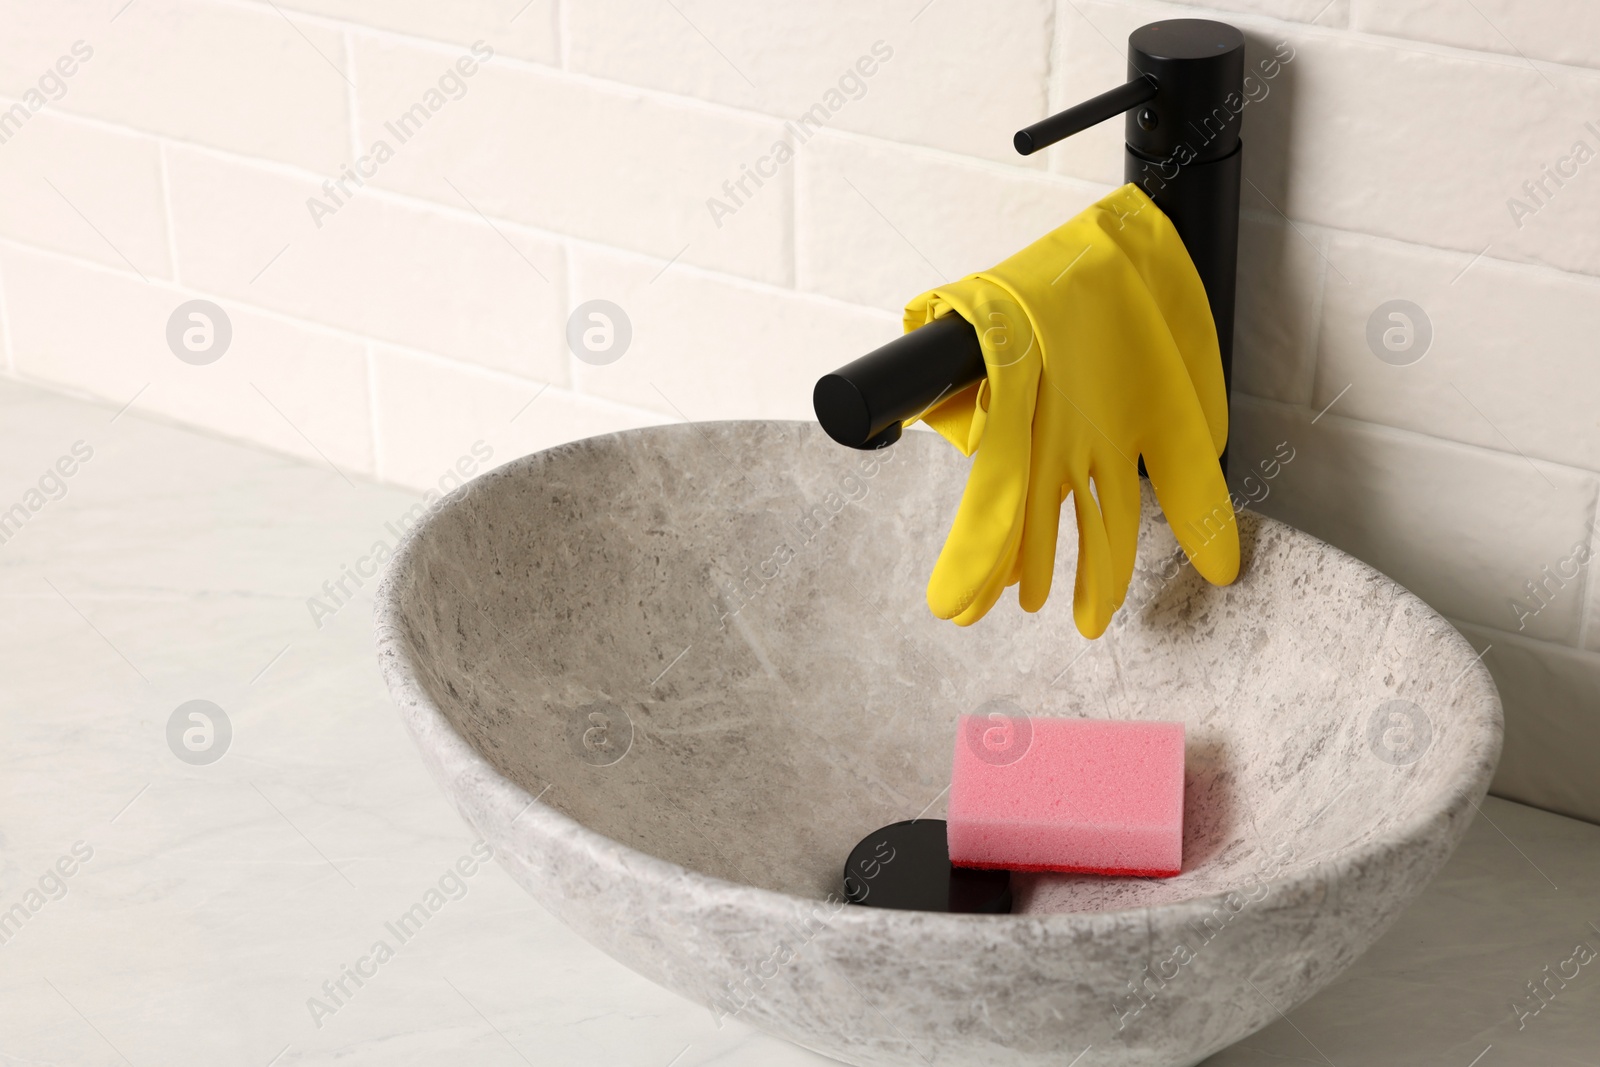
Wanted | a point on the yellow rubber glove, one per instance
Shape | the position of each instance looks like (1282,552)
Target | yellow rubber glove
(1100,348)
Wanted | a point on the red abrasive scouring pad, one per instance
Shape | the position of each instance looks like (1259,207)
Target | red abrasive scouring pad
(1082,795)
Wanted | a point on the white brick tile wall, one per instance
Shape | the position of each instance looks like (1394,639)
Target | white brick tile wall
(952,79)
(1462,528)
(1436,151)
(1335,13)
(875,218)
(290,387)
(1551,697)
(526,29)
(1278,307)
(37,35)
(592,160)
(1090,57)
(431,412)
(1560,31)
(445,282)
(1511,363)
(1356,166)
(1591,579)
(705,347)
(236,77)
(87,189)
(1383,136)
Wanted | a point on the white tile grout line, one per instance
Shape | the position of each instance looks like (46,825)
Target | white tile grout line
(5,325)
(1590,607)
(563,32)
(352,99)
(374,424)
(569,296)
(795,188)
(168,221)
(1335,400)
(1053,57)
(1314,342)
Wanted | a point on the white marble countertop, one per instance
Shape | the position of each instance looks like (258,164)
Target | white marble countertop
(208,903)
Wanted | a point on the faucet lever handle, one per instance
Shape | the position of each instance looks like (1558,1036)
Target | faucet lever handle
(1092,112)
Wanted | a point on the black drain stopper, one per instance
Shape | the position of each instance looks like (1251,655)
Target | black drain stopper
(906,865)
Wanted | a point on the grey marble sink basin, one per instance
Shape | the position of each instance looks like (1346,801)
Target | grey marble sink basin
(673,675)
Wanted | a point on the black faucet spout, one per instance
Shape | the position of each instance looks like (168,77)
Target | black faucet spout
(1183,100)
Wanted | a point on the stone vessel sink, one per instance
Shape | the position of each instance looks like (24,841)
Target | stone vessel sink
(673,675)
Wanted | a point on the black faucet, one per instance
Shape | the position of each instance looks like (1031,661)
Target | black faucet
(1183,97)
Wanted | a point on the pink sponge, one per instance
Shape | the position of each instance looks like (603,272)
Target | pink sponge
(1084,795)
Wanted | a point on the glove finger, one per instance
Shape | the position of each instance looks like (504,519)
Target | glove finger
(1116,483)
(1052,467)
(1092,603)
(1189,485)
(987,595)
(978,547)
(981,547)
(1040,529)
